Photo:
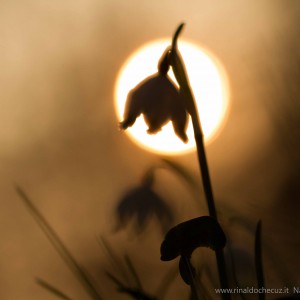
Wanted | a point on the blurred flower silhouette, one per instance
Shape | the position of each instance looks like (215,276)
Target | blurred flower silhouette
(142,203)
(159,100)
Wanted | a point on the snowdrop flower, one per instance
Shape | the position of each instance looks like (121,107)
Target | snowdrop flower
(184,238)
(160,101)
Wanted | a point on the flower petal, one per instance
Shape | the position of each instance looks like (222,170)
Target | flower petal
(180,122)
(132,110)
(141,204)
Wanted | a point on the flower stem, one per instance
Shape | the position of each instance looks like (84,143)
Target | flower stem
(182,78)
(187,261)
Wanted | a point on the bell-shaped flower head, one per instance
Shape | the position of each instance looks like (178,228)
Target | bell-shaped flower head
(160,101)
(141,204)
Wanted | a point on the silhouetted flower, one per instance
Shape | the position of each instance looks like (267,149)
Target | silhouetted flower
(160,101)
(142,203)
(184,238)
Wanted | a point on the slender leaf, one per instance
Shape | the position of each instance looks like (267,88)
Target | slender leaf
(133,272)
(114,279)
(182,172)
(115,261)
(136,294)
(50,288)
(203,291)
(233,268)
(165,283)
(59,246)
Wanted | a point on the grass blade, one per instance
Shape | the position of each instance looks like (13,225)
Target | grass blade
(59,246)
(115,261)
(182,172)
(258,260)
(115,280)
(50,288)
(233,268)
(133,272)
(165,283)
(136,294)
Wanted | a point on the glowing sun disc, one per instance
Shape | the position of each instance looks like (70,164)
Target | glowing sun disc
(209,84)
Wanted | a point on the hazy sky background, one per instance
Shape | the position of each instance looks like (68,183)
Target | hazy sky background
(60,140)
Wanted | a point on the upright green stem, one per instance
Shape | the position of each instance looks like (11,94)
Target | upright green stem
(182,78)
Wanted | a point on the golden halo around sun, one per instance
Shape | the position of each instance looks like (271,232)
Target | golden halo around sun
(209,84)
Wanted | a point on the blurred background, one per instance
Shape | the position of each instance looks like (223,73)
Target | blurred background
(60,140)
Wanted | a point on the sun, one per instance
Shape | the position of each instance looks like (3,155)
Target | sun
(209,84)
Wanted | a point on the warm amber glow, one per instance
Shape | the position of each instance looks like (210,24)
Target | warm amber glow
(209,84)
